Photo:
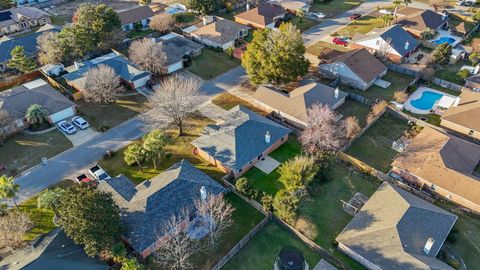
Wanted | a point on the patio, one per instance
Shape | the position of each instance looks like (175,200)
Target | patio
(267,164)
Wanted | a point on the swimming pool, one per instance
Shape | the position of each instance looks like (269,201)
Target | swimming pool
(426,101)
(442,40)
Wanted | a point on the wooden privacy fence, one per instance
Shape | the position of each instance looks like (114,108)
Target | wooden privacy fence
(447,84)
(20,79)
(75,95)
(403,70)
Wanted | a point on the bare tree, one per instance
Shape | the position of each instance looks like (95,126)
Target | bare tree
(102,85)
(162,22)
(323,131)
(13,227)
(220,213)
(385,48)
(437,4)
(376,110)
(400,96)
(149,55)
(49,51)
(173,100)
(351,126)
(177,250)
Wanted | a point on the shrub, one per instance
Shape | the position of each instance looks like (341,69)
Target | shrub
(267,203)
(118,252)
(297,173)
(286,206)
(306,227)
(132,264)
(168,155)
(463,73)
(243,186)
(442,53)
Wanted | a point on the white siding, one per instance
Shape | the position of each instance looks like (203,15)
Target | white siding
(141,82)
(175,67)
(372,43)
(59,116)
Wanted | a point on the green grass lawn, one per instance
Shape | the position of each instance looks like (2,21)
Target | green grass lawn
(140,33)
(335,7)
(24,151)
(230,15)
(399,82)
(227,101)
(433,119)
(269,182)
(374,146)
(363,25)
(303,24)
(449,72)
(354,108)
(320,46)
(210,64)
(179,147)
(324,208)
(261,251)
(111,115)
(443,89)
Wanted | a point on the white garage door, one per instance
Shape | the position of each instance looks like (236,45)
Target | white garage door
(175,67)
(59,116)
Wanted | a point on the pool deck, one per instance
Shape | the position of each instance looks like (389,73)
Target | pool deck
(447,34)
(417,95)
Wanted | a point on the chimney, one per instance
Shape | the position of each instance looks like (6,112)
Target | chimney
(267,137)
(77,65)
(205,21)
(428,246)
(407,44)
(477,69)
(337,91)
(248,6)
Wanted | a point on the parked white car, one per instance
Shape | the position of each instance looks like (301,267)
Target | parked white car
(99,173)
(316,15)
(385,11)
(466,3)
(80,122)
(66,127)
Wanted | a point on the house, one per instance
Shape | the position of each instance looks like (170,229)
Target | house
(473,82)
(220,33)
(53,70)
(444,164)
(240,141)
(21,3)
(393,41)
(28,42)
(293,105)
(128,72)
(21,18)
(137,17)
(357,68)
(177,49)
(465,117)
(294,6)
(147,206)
(53,251)
(263,16)
(17,100)
(397,230)
(415,20)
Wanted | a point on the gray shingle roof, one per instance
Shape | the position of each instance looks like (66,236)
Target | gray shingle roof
(221,31)
(177,47)
(124,68)
(135,14)
(396,34)
(241,138)
(147,206)
(393,227)
(17,100)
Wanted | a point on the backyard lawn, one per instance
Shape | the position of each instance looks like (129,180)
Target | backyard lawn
(261,251)
(268,183)
(227,101)
(24,151)
(303,24)
(363,25)
(320,46)
(210,64)
(449,72)
(399,82)
(334,8)
(111,115)
(354,108)
(179,147)
(433,119)
(324,207)
(140,33)
(374,146)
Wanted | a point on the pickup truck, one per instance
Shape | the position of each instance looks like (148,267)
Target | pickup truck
(98,173)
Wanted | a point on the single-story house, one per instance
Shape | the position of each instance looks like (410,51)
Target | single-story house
(21,18)
(220,33)
(473,82)
(147,206)
(128,72)
(293,105)
(393,41)
(294,6)
(357,68)
(176,49)
(28,42)
(140,16)
(263,16)
(397,230)
(415,20)
(17,100)
(444,164)
(53,251)
(465,117)
(239,142)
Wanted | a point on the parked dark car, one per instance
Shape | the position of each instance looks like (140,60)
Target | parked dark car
(355,16)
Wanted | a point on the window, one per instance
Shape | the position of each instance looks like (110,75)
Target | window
(433,187)
(240,170)
(471,132)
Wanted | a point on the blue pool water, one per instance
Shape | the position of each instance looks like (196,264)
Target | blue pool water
(442,40)
(426,101)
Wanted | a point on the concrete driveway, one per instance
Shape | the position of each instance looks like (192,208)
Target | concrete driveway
(81,136)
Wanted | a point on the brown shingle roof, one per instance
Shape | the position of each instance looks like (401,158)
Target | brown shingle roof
(221,31)
(467,113)
(135,14)
(444,160)
(421,20)
(262,15)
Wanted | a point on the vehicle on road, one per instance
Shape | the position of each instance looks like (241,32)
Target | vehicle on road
(385,11)
(80,122)
(66,127)
(315,15)
(340,41)
(355,16)
(99,173)
(466,3)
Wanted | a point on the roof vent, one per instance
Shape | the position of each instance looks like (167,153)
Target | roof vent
(337,91)
(267,137)
(77,65)
(203,193)
(407,44)
(428,246)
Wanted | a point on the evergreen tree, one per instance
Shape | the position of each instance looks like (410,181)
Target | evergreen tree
(20,61)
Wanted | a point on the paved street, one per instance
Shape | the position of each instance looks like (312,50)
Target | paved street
(69,163)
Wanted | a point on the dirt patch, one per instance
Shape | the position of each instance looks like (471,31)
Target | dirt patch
(68,8)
